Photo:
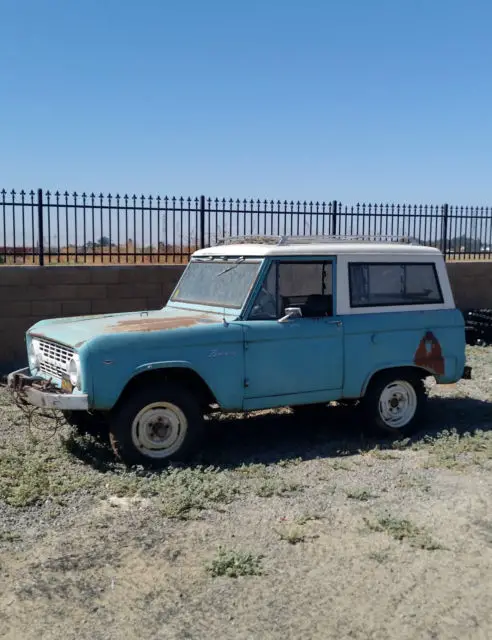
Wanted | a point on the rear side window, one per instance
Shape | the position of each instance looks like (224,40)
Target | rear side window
(391,284)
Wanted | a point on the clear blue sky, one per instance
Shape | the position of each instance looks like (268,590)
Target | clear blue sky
(387,100)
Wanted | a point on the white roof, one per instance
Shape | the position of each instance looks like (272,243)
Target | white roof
(322,248)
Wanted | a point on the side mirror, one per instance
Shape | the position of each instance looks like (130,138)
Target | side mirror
(291,313)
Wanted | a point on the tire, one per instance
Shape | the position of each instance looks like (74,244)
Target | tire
(166,407)
(402,387)
(86,423)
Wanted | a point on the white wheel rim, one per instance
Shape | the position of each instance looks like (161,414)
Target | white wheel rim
(398,404)
(159,429)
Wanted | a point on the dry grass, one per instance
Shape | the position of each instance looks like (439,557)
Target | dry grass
(361,494)
(326,533)
(292,534)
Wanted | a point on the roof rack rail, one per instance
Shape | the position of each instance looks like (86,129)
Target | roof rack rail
(250,240)
(289,240)
(345,238)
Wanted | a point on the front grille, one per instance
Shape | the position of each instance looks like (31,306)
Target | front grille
(54,358)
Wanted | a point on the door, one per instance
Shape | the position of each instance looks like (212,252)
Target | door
(301,355)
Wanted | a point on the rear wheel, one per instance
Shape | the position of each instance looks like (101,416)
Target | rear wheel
(395,402)
(156,425)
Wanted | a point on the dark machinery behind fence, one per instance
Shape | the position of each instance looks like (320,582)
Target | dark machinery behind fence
(478,327)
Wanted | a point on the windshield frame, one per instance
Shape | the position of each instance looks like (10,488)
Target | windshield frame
(229,261)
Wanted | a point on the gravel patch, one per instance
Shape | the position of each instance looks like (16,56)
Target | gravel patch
(281,529)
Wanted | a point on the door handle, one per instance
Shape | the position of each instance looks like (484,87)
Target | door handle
(338,323)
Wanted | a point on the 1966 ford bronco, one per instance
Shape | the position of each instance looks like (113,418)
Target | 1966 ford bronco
(255,324)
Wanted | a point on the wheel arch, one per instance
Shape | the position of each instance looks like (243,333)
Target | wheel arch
(407,369)
(177,372)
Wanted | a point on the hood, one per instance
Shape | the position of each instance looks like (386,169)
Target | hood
(74,332)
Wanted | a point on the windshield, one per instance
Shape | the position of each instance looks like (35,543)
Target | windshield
(217,283)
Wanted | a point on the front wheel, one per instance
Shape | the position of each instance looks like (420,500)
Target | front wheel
(395,402)
(156,425)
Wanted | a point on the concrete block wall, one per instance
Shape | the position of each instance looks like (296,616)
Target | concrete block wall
(29,294)
(472,284)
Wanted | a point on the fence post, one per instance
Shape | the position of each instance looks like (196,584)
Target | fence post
(334,218)
(444,240)
(202,222)
(40,228)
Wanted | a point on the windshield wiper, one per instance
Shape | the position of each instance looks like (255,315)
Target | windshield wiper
(235,264)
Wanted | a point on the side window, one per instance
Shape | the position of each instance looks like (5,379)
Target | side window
(306,285)
(265,306)
(392,284)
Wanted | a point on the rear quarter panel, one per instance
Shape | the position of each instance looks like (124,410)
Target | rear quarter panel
(433,340)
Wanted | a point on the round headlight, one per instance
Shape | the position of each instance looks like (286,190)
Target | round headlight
(33,355)
(73,370)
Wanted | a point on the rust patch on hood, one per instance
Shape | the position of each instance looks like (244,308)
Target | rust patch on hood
(155,324)
(429,354)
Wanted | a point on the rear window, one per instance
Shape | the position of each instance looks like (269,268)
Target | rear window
(392,284)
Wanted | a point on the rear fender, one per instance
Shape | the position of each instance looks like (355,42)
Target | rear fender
(404,366)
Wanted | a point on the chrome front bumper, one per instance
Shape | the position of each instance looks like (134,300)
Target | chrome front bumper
(37,392)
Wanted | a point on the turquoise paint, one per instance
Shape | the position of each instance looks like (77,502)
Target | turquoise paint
(378,341)
(256,364)
(74,332)
(109,359)
(283,400)
(296,357)
(290,359)
(213,351)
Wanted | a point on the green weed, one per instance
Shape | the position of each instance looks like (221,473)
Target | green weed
(274,487)
(403,530)
(234,564)
(451,450)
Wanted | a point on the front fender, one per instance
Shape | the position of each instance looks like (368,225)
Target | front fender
(224,382)
(214,354)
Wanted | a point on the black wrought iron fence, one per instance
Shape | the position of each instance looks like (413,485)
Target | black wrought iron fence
(40,227)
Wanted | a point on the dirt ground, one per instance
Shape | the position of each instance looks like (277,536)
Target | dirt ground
(282,529)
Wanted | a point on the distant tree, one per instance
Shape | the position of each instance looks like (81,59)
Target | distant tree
(104,242)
